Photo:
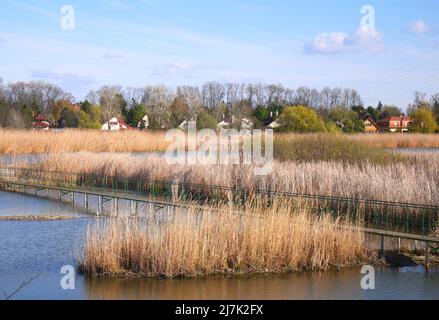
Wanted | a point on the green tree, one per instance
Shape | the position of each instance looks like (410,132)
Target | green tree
(135,114)
(179,112)
(301,119)
(423,121)
(347,120)
(261,115)
(91,118)
(206,121)
(331,127)
(390,111)
(373,113)
(69,118)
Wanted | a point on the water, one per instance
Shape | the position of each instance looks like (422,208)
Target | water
(434,151)
(31,248)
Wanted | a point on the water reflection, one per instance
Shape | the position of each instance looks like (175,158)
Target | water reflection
(344,284)
(29,248)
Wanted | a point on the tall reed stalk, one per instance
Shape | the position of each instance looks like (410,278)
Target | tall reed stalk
(414,181)
(225,242)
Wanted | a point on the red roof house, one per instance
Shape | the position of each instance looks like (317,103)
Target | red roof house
(41,123)
(395,124)
(115,124)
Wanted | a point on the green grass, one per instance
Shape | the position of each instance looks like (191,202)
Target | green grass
(330,147)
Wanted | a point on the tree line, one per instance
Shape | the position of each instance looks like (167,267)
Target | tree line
(337,108)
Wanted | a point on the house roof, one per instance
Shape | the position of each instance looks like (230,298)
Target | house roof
(393,118)
(390,121)
(368,117)
(40,117)
(121,122)
(41,124)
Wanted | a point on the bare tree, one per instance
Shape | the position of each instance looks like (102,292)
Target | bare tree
(133,95)
(110,104)
(213,94)
(192,99)
(158,100)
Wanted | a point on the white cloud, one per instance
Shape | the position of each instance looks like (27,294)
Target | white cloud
(173,69)
(113,56)
(68,80)
(184,69)
(418,27)
(364,39)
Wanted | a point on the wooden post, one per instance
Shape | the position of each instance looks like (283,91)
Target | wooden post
(399,245)
(174,191)
(382,246)
(426,254)
(100,205)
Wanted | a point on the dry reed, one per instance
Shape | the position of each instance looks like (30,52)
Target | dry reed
(75,140)
(197,244)
(381,140)
(414,181)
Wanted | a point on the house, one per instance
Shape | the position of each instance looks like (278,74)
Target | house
(227,123)
(41,123)
(115,124)
(370,126)
(274,124)
(395,124)
(184,125)
(246,124)
(222,125)
(144,123)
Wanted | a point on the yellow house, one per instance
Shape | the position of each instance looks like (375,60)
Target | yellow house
(369,125)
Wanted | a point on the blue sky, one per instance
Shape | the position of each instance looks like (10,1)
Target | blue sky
(314,43)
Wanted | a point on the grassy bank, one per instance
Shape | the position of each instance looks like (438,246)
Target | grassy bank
(193,244)
(324,147)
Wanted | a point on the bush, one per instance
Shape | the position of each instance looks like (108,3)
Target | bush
(301,119)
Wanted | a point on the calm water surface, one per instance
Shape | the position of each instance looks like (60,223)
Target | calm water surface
(31,248)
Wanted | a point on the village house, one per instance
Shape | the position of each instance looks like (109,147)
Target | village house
(370,126)
(41,123)
(395,124)
(115,124)
(246,124)
(144,123)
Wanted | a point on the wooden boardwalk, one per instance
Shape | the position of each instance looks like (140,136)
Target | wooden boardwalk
(105,195)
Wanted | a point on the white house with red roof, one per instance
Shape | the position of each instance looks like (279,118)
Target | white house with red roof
(115,124)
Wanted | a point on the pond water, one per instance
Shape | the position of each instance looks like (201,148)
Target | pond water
(415,150)
(42,248)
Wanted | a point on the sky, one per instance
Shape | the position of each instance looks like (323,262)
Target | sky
(386,51)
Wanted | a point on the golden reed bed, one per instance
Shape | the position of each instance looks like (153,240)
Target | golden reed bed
(76,140)
(415,180)
(197,244)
